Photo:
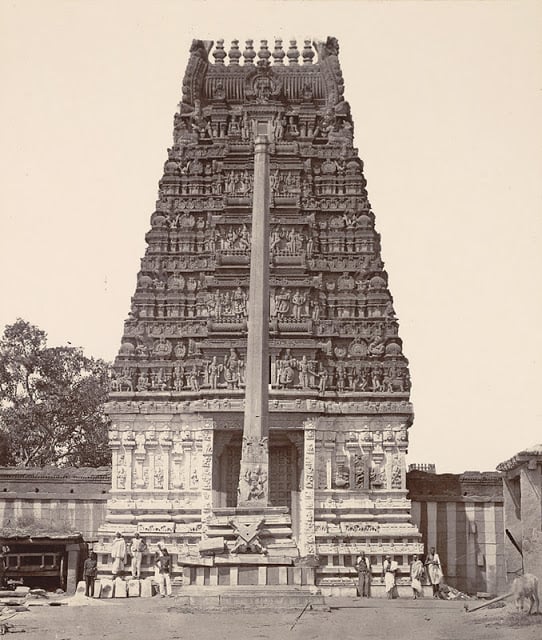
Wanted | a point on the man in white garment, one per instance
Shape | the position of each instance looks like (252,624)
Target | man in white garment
(137,548)
(118,554)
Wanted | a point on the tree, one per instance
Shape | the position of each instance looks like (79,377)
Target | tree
(51,402)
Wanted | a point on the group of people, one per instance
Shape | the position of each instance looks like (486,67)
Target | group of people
(119,554)
(431,568)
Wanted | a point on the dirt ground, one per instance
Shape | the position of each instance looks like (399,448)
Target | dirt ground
(344,618)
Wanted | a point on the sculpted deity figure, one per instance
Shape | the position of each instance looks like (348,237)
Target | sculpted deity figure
(239,300)
(162,347)
(282,303)
(341,374)
(178,376)
(231,369)
(376,383)
(256,480)
(278,127)
(304,370)
(396,480)
(346,282)
(298,303)
(376,346)
(193,379)
(243,241)
(214,370)
(323,376)
(287,372)
(274,242)
(142,382)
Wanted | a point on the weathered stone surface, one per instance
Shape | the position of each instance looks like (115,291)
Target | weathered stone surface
(261,363)
(98,588)
(107,588)
(146,588)
(134,588)
(120,588)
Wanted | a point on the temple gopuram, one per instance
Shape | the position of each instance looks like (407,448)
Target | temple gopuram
(260,397)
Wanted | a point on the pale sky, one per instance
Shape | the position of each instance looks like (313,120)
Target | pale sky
(447,105)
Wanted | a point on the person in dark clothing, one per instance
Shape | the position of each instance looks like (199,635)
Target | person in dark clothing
(364,575)
(163,562)
(90,571)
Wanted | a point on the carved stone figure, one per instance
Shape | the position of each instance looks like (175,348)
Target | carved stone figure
(214,369)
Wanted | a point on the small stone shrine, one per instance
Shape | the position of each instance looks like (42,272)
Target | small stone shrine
(260,398)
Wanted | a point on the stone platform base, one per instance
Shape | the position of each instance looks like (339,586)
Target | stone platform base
(265,573)
(254,598)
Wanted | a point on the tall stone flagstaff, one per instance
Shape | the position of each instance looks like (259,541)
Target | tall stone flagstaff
(253,477)
(260,398)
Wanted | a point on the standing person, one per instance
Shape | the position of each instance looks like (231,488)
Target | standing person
(137,549)
(389,567)
(416,576)
(90,571)
(118,553)
(434,570)
(4,550)
(164,567)
(364,575)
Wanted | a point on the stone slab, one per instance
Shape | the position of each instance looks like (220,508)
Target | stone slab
(212,544)
(11,594)
(107,588)
(97,588)
(81,588)
(146,588)
(195,561)
(252,559)
(134,588)
(120,588)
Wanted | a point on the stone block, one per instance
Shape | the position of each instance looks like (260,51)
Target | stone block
(97,588)
(120,588)
(212,545)
(213,576)
(134,587)
(146,588)
(81,587)
(107,588)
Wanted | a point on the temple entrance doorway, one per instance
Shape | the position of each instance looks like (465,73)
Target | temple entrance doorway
(285,470)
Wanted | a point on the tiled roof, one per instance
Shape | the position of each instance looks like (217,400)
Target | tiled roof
(523,456)
(73,474)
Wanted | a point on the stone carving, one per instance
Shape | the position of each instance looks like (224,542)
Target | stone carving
(248,536)
(396,474)
(335,351)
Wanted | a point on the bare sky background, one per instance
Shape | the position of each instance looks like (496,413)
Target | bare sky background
(447,106)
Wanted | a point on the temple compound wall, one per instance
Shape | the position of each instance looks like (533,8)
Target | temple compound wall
(461,515)
(263,220)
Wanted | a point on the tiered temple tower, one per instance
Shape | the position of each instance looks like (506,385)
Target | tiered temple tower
(263,229)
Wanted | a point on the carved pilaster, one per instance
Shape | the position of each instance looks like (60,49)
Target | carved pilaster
(307,540)
(206,482)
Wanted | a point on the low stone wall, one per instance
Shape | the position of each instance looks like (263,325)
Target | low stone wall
(461,515)
(69,499)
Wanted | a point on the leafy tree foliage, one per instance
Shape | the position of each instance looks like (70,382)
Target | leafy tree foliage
(51,402)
